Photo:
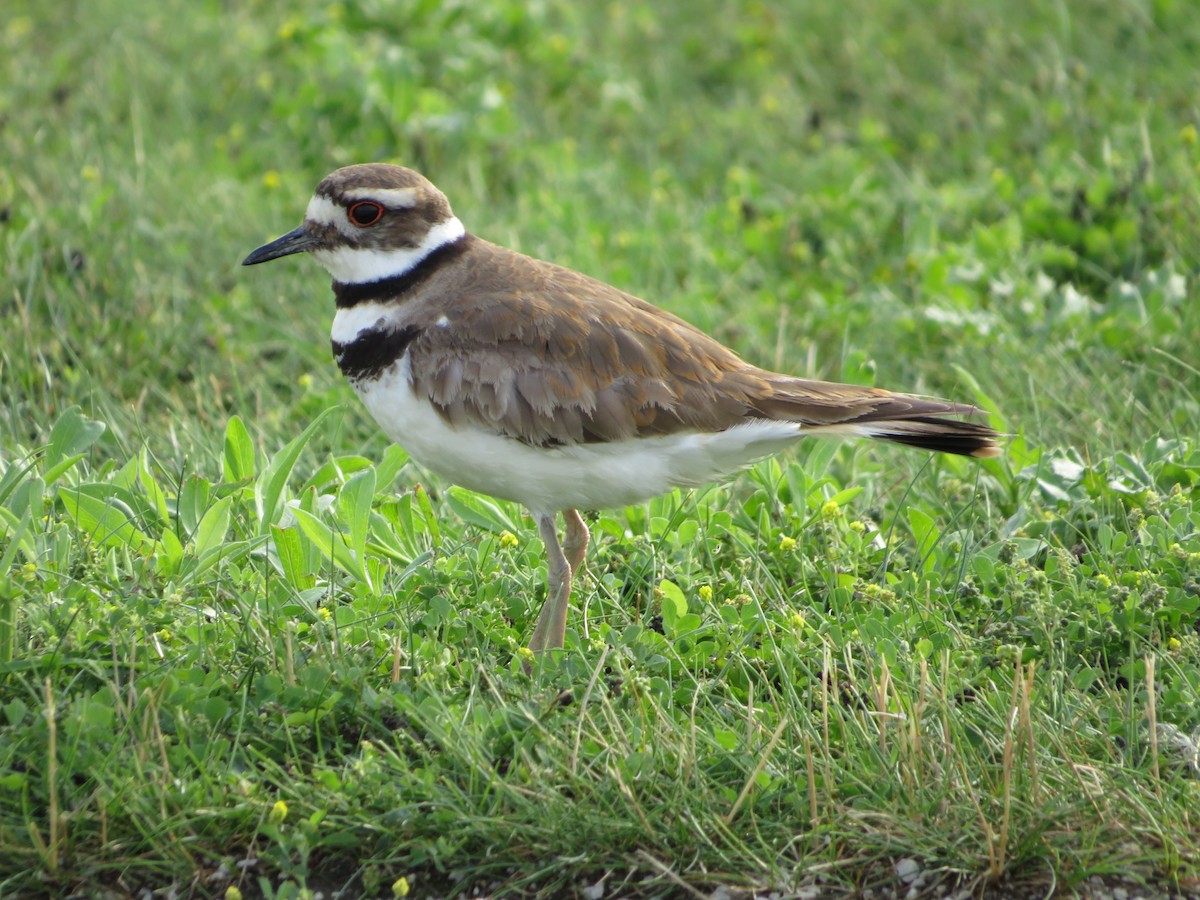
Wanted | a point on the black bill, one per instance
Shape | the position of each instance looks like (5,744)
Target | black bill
(295,241)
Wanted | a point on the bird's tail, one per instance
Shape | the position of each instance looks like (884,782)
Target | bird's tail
(937,434)
(826,407)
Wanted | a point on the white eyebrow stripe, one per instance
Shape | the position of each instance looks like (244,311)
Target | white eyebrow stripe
(393,198)
(324,211)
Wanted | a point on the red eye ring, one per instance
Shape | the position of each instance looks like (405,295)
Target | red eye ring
(364,213)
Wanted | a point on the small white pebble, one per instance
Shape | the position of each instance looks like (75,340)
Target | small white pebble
(907,870)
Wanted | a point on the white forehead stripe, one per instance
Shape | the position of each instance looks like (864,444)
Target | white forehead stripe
(394,198)
(351,265)
(323,210)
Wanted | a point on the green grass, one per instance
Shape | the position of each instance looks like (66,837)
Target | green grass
(216,597)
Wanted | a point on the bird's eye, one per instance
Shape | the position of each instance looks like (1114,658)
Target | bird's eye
(364,213)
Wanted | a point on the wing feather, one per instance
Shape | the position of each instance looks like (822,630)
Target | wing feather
(565,359)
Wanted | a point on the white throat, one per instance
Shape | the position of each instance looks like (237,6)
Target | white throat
(350,265)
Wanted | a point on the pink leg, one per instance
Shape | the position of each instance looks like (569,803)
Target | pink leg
(576,543)
(552,622)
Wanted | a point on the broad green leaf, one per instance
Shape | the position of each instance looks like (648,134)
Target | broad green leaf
(13,475)
(15,711)
(394,459)
(842,497)
(213,527)
(479,510)
(193,502)
(290,550)
(307,501)
(170,552)
(72,434)
(129,488)
(674,603)
(426,508)
(984,566)
(230,552)
(150,486)
(269,487)
(385,541)
(331,544)
(215,709)
(28,497)
(311,715)
(726,737)
(239,451)
(798,482)
(417,563)
(685,533)
(53,473)
(19,536)
(926,532)
(407,522)
(354,502)
(126,477)
(1137,478)
(819,458)
(338,469)
(100,514)
(1028,548)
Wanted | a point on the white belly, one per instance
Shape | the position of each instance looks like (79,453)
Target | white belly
(579,476)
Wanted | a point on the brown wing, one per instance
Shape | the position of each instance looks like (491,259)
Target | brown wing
(579,362)
(567,359)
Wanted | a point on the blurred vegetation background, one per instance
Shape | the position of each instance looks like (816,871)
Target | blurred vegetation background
(997,202)
(825,186)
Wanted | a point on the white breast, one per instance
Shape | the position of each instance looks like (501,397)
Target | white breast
(580,476)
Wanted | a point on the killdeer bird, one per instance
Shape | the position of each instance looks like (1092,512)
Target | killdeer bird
(524,380)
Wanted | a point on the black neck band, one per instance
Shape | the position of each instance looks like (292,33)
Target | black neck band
(347,295)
